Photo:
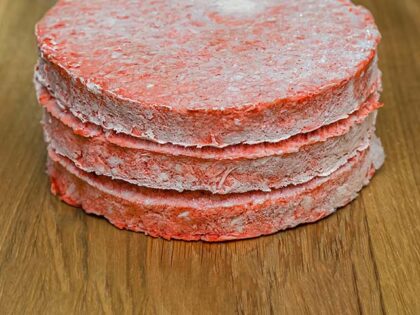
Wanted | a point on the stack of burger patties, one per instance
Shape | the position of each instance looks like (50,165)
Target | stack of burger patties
(209,120)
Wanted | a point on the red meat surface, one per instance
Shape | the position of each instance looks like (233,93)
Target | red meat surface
(209,73)
(209,217)
(238,168)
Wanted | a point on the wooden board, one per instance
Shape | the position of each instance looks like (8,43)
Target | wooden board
(54,259)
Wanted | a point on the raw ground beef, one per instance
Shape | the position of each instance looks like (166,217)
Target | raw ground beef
(209,73)
(209,217)
(238,169)
(209,120)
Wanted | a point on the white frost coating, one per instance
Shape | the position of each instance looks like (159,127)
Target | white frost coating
(114,161)
(115,55)
(238,223)
(163,177)
(184,214)
(148,114)
(93,87)
(307,202)
(237,6)
(238,77)
(378,155)
(233,89)
(224,176)
(237,122)
(71,188)
(149,133)
(341,192)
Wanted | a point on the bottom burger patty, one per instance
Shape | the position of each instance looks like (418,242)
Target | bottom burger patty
(205,216)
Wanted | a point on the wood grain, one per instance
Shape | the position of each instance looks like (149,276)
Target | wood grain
(363,260)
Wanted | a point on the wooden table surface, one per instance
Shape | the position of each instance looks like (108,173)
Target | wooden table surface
(54,259)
